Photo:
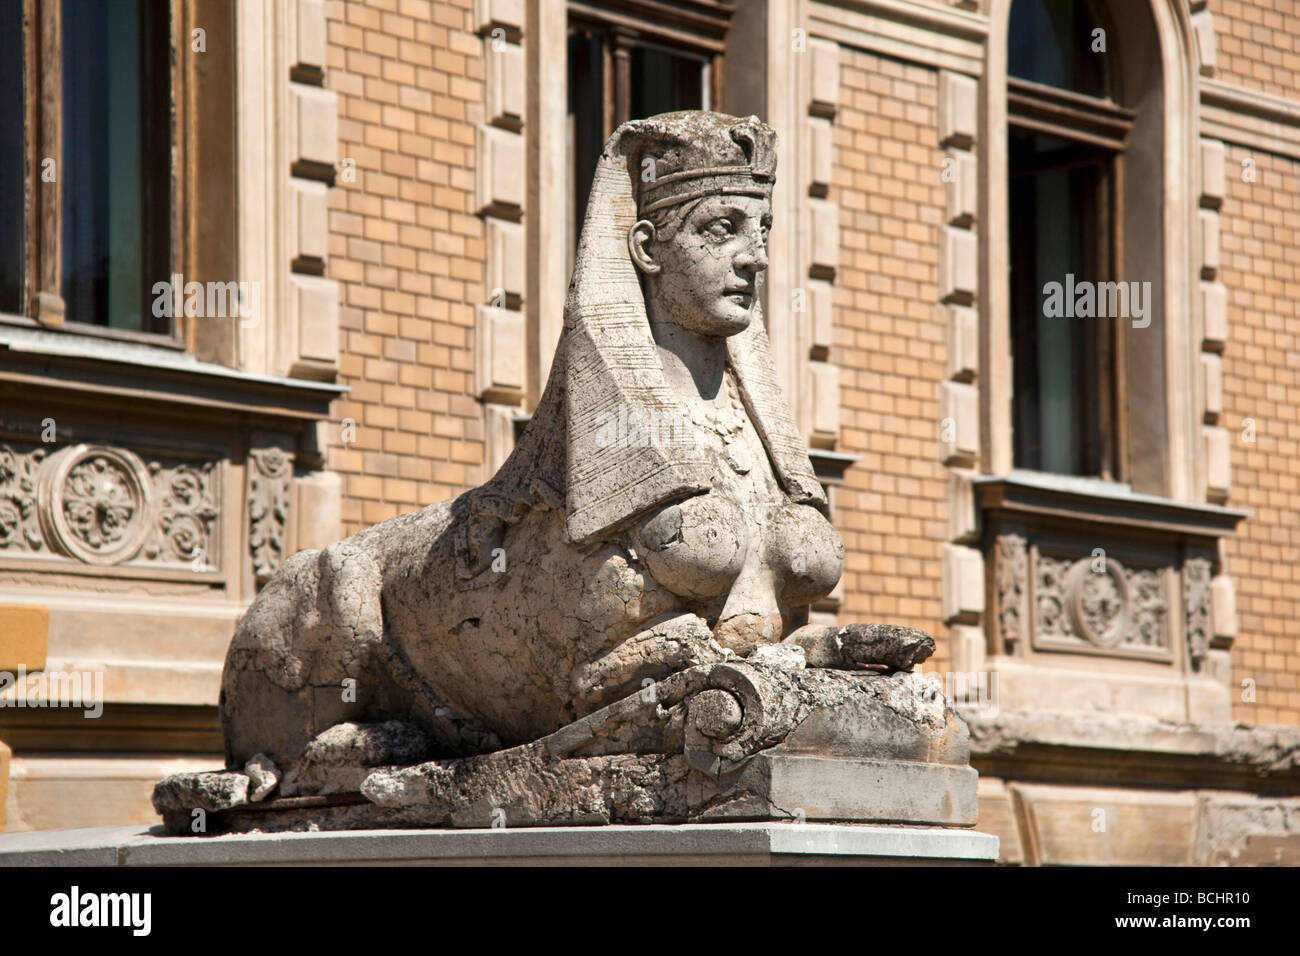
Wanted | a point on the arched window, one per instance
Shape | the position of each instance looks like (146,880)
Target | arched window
(1067,136)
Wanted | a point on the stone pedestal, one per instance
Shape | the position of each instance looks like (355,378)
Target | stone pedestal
(715,844)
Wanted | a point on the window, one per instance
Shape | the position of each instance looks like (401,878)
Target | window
(116,161)
(12,178)
(88,212)
(1066,146)
(628,59)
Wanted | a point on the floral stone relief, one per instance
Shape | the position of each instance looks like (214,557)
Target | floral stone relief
(103,505)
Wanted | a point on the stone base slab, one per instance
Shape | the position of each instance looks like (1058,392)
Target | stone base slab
(715,844)
(618,789)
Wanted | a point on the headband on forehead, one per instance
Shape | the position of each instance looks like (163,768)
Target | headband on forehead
(722,156)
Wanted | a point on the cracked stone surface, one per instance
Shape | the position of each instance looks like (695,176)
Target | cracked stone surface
(658,533)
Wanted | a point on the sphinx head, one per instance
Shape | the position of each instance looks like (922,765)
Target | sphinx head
(703,190)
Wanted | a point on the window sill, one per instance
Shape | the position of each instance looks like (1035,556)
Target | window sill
(1041,497)
(152,373)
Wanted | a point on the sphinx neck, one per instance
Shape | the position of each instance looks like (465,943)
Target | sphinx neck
(693,364)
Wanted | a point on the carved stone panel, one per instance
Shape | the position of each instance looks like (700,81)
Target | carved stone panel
(1012,570)
(270,473)
(95,503)
(1196,599)
(102,505)
(20,529)
(1096,604)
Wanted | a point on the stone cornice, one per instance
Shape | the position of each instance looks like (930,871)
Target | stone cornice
(1059,499)
(136,373)
(932,36)
(1113,749)
(1250,118)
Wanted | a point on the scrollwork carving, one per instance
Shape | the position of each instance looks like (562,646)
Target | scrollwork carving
(1196,599)
(188,507)
(1012,584)
(270,471)
(20,529)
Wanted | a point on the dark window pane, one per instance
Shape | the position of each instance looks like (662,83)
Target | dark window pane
(1051,42)
(659,81)
(586,114)
(1059,195)
(12,186)
(663,82)
(116,161)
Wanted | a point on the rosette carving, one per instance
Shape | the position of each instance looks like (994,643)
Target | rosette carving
(95,503)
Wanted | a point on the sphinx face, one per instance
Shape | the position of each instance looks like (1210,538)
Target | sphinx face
(709,266)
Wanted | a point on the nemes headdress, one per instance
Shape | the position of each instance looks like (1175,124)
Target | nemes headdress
(607,362)
(609,355)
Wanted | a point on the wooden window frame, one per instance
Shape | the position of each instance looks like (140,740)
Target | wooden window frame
(203,141)
(1102,126)
(690,28)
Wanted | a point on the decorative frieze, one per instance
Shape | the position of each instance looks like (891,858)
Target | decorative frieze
(102,505)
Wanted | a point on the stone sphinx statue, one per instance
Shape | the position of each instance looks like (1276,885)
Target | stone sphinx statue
(614,627)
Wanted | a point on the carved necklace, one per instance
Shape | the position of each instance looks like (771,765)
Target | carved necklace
(729,426)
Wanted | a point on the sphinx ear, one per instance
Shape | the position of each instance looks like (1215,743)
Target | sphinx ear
(640,241)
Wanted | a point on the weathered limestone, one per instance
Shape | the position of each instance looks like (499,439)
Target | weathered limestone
(614,628)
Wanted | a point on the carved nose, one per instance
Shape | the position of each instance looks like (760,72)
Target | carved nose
(754,258)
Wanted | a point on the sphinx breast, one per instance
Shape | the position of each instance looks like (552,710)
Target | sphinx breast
(806,553)
(697,546)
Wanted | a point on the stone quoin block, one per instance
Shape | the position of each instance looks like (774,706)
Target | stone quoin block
(505,13)
(1214,308)
(505,254)
(307,219)
(959,435)
(826,399)
(499,178)
(1212,172)
(314,124)
(824,58)
(499,348)
(311,32)
(314,302)
(958,265)
(958,109)
(961,187)
(505,84)
(963,342)
(963,583)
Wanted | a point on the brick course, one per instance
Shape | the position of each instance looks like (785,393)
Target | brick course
(408,251)
(1261,381)
(889,343)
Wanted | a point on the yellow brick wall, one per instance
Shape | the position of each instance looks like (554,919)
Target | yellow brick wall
(890,342)
(1258,44)
(408,252)
(1260,236)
